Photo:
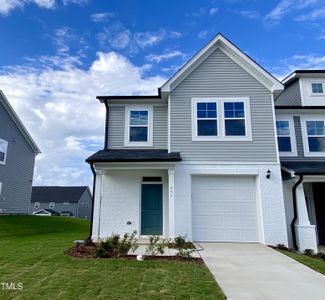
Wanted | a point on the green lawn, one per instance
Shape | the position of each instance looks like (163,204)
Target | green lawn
(31,252)
(314,263)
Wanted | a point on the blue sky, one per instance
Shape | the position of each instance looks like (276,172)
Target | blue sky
(57,55)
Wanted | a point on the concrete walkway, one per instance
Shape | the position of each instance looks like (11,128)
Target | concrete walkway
(257,272)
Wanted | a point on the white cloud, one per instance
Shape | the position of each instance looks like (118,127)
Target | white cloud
(149,38)
(250,14)
(313,15)
(166,56)
(175,34)
(298,62)
(59,108)
(284,7)
(213,11)
(79,2)
(7,5)
(202,34)
(102,17)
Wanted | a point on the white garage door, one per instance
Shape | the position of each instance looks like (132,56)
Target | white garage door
(224,208)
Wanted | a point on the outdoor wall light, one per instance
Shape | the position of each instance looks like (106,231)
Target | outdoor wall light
(268,174)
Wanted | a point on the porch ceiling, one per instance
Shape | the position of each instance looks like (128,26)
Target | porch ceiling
(304,168)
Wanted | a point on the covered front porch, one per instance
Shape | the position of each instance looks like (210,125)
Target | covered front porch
(304,194)
(134,194)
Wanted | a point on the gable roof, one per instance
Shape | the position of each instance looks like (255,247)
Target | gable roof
(18,123)
(57,194)
(47,211)
(242,59)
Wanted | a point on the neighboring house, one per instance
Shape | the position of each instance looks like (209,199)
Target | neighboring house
(46,212)
(17,158)
(199,159)
(300,115)
(69,201)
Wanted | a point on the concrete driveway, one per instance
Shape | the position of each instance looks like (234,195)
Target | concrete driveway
(254,271)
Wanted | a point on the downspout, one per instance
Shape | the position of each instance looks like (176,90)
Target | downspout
(294,198)
(93,202)
(106,125)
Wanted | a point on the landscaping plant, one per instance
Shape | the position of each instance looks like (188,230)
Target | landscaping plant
(184,249)
(155,246)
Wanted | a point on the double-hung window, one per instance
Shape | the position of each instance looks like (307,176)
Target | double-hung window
(316,136)
(138,126)
(3,151)
(220,119)
(313,133)
(286,136)
(234,117)
(207,120)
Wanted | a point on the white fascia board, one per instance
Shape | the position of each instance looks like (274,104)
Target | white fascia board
(238,56)
(18,123)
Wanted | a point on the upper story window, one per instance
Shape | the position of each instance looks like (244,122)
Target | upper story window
(286,136)
(317,88)
(220,119)
(207,121)
(51,205)
(313,131)
(3,151)
(138,131)
(234,114)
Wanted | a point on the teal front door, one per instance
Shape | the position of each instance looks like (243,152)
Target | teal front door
(151,209)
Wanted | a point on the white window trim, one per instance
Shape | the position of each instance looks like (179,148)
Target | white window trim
(221,120)
(292,135)
(303,120)
(0,188)
(37,205)
(149,142)
(51,205)
(6,150)
(310,82)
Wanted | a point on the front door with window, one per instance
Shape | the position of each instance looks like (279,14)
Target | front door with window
(151,209)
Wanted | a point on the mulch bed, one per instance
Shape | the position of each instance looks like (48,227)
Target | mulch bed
(84,251)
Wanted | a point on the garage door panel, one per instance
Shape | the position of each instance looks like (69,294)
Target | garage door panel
(224,208)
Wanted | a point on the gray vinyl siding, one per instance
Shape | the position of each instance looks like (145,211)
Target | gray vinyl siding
(116,127)
(83,211)
(291,96)
(300,147)
(219,76)
(17,174)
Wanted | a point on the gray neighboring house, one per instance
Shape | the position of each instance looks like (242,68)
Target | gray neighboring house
(199,158)
(17,158)
(300,122)
(70,201)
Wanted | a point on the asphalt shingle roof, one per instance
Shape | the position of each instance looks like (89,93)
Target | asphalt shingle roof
(57,194)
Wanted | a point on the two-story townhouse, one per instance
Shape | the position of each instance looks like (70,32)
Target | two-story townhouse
(17,158)
(199,159)
(300,121)
(70,201)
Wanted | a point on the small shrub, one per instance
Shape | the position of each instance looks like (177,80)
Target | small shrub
(115,246)
(155,246)
(282,247)
(309,252)
(100,251)
(182,247)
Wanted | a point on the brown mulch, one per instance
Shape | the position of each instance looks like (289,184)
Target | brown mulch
(83,251)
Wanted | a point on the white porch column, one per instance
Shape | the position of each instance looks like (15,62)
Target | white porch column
(305,232)
(97,205)
(171,202)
